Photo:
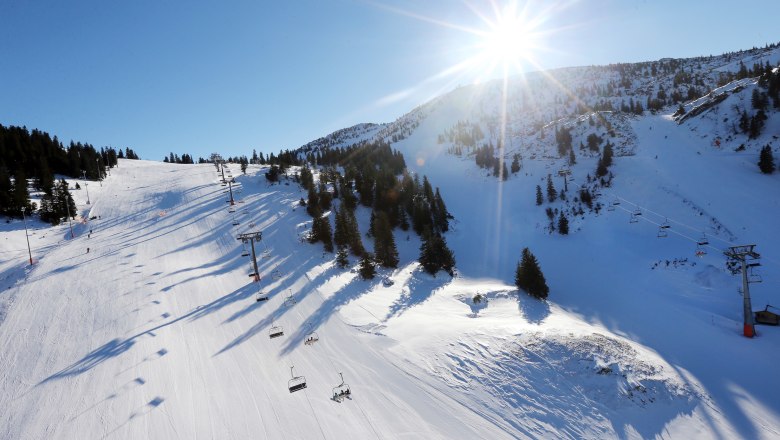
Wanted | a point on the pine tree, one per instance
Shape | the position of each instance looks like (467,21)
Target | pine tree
(5,191)
(20,195)
(539,197)
(572,158)
(766,163)
(65,200)
(435,255)
(326,234)
(384,242)
(324,196)
(552,194)
(440,214)
(529,276)
(313,203)
(355,241)
(342,259)
(341,230)
(515,163)
(563,224)
(367,269)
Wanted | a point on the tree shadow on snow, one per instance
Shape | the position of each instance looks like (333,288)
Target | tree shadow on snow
(416,291)
(534,310)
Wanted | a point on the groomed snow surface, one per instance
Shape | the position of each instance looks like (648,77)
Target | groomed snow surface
(155,332)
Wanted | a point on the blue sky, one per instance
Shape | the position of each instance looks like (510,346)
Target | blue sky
(201,76)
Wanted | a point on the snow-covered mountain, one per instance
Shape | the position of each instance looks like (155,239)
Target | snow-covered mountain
(145,324)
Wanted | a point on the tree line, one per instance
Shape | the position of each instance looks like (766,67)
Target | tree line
(34,156)
(371,179)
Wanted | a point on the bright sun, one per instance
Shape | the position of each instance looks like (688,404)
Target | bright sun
(508,41)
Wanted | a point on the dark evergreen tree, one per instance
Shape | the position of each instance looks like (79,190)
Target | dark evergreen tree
(435,255)
(539,197)
(515,163)
(552,194)
(766,163)
(313,203)
(529,276)
(367,269)
(5,191)
(342,259)
(385,251)
(563,224)
(324,196)
(341,230)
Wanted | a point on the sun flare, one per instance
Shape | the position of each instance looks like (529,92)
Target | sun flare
(508,41)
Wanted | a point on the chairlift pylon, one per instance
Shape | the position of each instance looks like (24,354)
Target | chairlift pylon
(341,391)
(297,383)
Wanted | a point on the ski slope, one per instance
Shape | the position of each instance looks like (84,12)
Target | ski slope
(155,332)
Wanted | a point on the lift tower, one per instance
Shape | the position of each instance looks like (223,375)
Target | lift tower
(747,258)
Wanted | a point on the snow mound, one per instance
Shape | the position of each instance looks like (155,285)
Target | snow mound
(544,382)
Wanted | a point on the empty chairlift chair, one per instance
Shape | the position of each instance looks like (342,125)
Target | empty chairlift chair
(261,296)
(341,391)
(297,383)
(289,300)
(245,251)
(276,331)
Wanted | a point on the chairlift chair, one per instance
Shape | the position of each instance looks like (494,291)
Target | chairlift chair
(752,276)
(261,296)
(276,274)
(311,338)
(341,391)
(290,298)
(703,241)
(297,383)
(637,211)
(662,232)
(633,218)
(275,332)
(235,222)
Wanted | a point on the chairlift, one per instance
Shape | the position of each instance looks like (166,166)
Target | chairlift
(290,298)
(245,251)
(231,209)
(633,218)
(276,274)
(341,391)
(235,222)
(637,212)
(261,296)
(311,337)
(700,251)
(297,383)
(703,241)
(752,276)
(275,331)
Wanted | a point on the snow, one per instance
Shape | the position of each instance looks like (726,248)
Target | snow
(156,332)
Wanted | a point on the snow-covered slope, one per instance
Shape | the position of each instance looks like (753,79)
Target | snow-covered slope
(155,332)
